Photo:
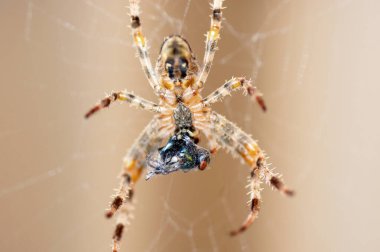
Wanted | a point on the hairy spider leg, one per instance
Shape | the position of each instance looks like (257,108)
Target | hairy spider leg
(134,163)
(255,201)
(212,38)
(240,144)
(142,48)
(211,141)
(273,179)
(235,84)
(129,98)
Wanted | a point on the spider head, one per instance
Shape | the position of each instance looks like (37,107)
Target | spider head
(176,63)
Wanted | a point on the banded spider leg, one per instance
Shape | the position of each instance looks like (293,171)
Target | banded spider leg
(235,84)
(128,97)
(240,144)
(212,38)
(134,163)
(140,42)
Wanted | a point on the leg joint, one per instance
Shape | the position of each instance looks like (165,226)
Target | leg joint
(135,22)
(217,15)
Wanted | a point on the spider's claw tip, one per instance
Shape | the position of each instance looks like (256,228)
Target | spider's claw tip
(91,112)
(108,214)
(261,103)
(289,192)
(238,231)
(233,233)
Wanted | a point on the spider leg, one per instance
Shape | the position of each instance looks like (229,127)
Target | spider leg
(129,98)
(211,140)
(212,38)
(141,45)
(201,120)
(240,144)
(134,163)
(273,180)
(255,201)
(232,85)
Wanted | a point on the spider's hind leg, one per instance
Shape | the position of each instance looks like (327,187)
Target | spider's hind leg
(240,144)
(134,163)
(273,179)
(211,140)
(255,201)
(123,203)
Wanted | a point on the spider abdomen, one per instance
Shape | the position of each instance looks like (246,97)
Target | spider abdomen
(183,118)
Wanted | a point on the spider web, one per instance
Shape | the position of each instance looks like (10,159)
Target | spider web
(58,170)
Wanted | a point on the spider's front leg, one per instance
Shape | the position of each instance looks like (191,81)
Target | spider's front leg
(141,44)
(233,84)
(129,98)
(212,38)
(240,144)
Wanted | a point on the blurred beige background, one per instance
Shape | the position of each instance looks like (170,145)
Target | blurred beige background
(316,62)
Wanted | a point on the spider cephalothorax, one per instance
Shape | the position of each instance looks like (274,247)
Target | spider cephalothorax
(176,64)
(181,114)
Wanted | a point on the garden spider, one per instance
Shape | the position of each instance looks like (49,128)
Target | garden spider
(181,115)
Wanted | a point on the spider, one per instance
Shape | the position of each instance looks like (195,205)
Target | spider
(180,116)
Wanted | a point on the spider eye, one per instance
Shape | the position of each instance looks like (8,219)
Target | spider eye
(183,67)
(169,68)
(168,65)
